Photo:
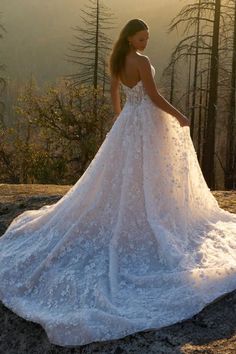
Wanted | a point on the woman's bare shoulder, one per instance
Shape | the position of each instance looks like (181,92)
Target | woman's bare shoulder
(142,57)
(143,60)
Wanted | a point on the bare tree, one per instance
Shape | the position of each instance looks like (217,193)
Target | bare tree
(230,175)
(194,17)
(90,51)
(2,80)
(206,26)
(169,75)
(208,164)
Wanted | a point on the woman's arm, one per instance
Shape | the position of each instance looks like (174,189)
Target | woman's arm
(115,95)
(151,89)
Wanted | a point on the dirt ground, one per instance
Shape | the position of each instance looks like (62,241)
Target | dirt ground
(211,331)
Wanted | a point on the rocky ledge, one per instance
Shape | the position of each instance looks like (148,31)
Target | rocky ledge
(211,331)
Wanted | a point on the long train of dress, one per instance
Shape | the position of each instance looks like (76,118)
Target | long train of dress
(138,242)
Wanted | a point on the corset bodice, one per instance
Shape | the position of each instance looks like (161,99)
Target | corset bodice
(137,93)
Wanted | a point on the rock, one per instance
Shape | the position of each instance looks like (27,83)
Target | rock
(211,331)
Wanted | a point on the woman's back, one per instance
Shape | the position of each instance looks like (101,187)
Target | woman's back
(130,75)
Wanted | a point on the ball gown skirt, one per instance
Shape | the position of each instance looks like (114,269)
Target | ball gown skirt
(139,242)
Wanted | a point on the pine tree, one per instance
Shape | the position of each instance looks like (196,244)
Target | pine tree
(90,53)
(93,44)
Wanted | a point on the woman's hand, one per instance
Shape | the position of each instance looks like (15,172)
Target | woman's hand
(183,121)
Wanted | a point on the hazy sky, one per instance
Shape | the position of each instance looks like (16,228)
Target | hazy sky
(39,32)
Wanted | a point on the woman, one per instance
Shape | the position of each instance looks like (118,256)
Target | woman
(126,59)
(139,242)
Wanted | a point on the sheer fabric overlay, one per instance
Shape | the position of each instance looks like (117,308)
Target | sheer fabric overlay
(139,242)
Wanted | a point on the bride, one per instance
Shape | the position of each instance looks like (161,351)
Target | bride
(125,59)
(139,242)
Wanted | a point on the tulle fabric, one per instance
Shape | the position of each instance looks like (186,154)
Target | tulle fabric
(139,242)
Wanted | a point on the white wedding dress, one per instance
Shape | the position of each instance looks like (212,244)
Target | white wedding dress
(138,243)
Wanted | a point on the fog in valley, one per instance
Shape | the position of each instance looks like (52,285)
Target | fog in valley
(39,33)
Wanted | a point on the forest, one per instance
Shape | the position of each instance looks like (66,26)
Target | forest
(51,135)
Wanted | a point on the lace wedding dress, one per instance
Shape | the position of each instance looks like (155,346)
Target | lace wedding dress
(138,243)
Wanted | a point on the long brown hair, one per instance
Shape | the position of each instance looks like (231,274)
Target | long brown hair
(121,46)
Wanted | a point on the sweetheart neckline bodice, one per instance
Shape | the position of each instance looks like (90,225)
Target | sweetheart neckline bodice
(131,88)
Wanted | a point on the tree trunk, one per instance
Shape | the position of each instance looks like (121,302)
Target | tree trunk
(231,127)
(206,100)
(172,83)
(199,143)
(95,74)
(195,72)
(209,143)
(188,96)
